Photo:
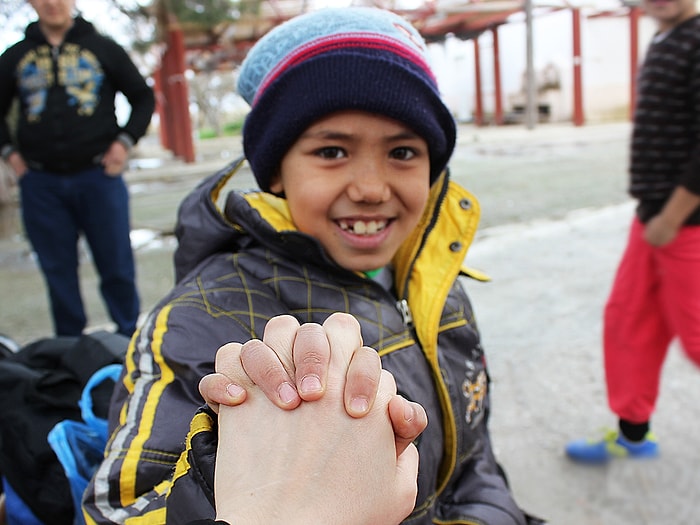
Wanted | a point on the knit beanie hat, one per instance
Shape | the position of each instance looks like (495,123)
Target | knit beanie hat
(335,59)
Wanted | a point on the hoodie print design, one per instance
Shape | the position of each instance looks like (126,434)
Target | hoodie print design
(78,72)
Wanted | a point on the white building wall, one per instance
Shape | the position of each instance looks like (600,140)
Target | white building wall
(605,65)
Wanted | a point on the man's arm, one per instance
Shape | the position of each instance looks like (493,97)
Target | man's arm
(8,92)
(127,79)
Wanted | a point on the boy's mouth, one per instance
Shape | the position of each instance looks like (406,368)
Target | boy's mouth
(359,227)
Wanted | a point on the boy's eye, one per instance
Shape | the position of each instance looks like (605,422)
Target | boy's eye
(402,153)
(330,152)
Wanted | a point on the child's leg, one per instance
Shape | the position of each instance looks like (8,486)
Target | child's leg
(636,335)
(680,265)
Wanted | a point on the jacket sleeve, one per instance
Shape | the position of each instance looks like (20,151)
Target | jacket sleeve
(8,90)
(191,495)
(152,409)
(127,79)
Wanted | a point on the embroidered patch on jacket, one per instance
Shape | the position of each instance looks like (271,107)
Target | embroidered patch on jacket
(474,391)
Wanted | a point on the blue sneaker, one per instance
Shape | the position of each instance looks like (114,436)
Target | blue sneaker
(612,445)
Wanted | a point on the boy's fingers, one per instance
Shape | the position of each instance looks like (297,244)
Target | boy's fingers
(344,337)
(265,369)
(217,389)
(362,381)
(228,362)
(408,419)
(279,334)
(312,355)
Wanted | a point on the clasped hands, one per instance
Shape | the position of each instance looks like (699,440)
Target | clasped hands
(311,429)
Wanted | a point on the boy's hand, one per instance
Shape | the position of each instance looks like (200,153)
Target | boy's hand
(291,364)
(322,466)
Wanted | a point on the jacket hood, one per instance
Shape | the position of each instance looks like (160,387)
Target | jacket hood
(211,221)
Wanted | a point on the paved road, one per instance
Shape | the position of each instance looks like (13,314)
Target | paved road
(554,219)
(540,319)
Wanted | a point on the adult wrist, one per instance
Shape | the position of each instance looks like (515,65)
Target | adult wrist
(6,151)
(126,140)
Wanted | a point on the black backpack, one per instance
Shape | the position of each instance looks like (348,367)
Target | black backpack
(40,385)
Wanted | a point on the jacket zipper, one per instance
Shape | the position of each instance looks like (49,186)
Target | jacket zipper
(405,311)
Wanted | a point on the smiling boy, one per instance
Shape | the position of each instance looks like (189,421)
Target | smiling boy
(348,140)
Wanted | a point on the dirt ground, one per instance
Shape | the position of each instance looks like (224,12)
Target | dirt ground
(554,220)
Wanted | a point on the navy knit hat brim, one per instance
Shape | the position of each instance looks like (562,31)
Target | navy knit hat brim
(367,83)
(354,59)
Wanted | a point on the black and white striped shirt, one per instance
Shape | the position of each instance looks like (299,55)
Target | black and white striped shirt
(665,149)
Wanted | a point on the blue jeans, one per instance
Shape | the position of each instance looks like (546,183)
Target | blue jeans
(56,210)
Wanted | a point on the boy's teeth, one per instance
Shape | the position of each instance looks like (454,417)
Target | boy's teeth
(362,227)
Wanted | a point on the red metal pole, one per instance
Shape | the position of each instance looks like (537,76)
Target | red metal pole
(498,115)
(634,57)
(160,106)
(479,109)
(578,88)
(180,103)
(168,100)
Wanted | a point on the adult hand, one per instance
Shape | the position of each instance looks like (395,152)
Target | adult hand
(18,164)
(321,464)
(659,232)
(291,364)
(664,227)
(115,158)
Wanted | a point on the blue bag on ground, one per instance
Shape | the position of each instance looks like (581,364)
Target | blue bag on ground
(80,445)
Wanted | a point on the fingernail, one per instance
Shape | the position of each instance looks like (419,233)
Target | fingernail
(310,384)
(234,391)
(287,393)
(359,405)
(408,412)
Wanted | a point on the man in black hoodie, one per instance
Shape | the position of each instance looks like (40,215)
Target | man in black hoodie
(69,154)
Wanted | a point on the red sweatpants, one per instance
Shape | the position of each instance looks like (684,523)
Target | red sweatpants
(655,297)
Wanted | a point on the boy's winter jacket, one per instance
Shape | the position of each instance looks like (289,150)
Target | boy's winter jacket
(242,265)
(66,96)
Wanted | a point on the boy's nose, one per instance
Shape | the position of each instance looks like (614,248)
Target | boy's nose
(369,184)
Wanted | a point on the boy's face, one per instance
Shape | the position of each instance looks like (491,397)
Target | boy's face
(358,183)
(669,13)
(54,14)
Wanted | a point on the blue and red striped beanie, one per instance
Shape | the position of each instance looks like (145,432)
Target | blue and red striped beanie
(338,59)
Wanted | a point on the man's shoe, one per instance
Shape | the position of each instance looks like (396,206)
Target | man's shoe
(612,445)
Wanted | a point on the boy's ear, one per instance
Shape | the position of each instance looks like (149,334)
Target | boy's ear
(276,185)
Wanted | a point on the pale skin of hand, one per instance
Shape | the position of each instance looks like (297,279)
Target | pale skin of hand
(114,161)
(663,228)
(115,158)
(17,163)
(287,378)
(321,464)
